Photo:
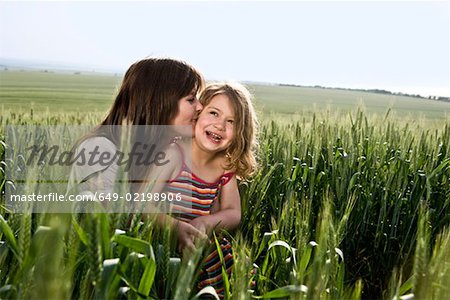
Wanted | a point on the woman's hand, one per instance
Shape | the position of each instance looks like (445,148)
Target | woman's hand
(200,225)
(187,236)
(225,214)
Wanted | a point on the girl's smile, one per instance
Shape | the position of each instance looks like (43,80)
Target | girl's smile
(214,137)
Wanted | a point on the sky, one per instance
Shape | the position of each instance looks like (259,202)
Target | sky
(401,46)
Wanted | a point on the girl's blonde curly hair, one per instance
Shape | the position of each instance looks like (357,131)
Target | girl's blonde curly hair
(241,155)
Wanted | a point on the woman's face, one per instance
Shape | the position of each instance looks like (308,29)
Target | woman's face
(188,109)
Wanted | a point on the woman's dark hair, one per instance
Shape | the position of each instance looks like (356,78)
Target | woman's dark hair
(150,92)
(148,95)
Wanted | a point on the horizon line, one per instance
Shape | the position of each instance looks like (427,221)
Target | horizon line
(60,66)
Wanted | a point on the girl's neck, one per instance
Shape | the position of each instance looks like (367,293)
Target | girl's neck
(201,157)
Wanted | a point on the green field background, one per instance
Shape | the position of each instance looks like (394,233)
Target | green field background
(21,91)
(351,200)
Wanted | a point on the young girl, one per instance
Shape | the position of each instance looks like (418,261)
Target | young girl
(222,150)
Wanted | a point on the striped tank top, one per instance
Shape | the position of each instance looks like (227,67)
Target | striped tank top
(196,195)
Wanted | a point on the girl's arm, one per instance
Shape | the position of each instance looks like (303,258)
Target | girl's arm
(228,215)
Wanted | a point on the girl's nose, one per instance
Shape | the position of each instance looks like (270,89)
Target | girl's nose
(220,125)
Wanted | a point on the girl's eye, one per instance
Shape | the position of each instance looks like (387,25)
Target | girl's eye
(231,122)
(191,100)
(214,113)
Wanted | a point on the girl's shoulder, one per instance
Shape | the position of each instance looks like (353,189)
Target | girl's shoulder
(175,155)
(227,172)
(180,148)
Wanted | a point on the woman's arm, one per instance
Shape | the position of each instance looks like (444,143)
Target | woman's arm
(93,177)
(228,215)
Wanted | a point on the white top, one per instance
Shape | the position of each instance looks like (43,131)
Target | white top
(96,177)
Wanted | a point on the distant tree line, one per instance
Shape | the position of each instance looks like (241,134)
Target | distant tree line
(377,91)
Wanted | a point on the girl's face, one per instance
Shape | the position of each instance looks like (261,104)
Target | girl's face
(214,130)
(188,109)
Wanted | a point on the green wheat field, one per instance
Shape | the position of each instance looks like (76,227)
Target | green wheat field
(351,201)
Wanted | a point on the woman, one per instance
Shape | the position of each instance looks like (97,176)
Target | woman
(154,91)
